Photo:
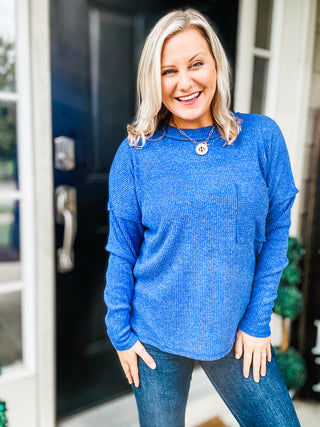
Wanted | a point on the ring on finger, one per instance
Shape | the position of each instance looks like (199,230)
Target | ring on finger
(264,354)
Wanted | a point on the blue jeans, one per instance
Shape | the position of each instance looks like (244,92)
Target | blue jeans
(163,392)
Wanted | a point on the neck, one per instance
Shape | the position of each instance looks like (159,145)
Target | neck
(193,125)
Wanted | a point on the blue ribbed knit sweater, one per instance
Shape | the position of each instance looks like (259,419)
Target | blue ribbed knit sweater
(197,243)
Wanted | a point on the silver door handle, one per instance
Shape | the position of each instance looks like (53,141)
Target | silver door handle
(66,213)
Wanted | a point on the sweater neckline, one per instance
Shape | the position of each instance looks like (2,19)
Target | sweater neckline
(198,134)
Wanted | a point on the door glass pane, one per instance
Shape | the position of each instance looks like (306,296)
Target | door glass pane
(7,45)
(263,25)
(10,329)
(8,147)
(259,85)
(9,242)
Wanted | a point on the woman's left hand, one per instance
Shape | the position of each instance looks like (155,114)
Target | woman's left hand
(255,351)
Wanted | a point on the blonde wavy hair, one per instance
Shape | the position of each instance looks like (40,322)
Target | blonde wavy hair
(151,110)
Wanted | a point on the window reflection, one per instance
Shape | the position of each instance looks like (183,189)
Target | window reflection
(8,146)
(259,85)
(263,25)
(9,241)
(10,330)
(7,45)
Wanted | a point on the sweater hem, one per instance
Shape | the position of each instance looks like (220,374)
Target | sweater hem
(184,353)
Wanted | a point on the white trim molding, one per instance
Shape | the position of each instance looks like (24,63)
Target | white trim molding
(29,387)
(8,96)
(295,73)
(44,210)
(244,57)
(275,57)
(26,184)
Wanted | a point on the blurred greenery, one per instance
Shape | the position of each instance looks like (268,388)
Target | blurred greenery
(289,302)
(6,170)
(7,141)
(5,209)
(7,132)
(7,65)
(291,275)
(5,225)
(292,367)
(7,109)
(295,249)
(5,234)
(3,417)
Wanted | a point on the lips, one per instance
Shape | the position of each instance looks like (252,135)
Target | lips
(188,97)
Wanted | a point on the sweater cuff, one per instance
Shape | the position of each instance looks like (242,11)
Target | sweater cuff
(254,330)
(124,345)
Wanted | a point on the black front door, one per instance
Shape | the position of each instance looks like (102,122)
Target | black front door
(95,47)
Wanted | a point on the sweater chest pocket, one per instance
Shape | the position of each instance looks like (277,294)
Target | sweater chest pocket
(252,210)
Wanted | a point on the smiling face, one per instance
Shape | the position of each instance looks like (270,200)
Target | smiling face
(188,79)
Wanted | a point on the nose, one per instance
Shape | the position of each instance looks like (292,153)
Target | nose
(185,81)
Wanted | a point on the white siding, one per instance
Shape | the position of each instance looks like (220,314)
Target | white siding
(313,109)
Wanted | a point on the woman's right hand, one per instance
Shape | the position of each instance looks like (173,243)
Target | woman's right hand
(129,361)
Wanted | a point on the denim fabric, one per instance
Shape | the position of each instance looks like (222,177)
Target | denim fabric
(163,392)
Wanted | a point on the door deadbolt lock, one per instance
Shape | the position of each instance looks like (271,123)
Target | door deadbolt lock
(64,158)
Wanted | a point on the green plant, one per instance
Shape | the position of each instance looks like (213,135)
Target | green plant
(3,418)
(3,410)
(288,305)
(292,367)
(7,109)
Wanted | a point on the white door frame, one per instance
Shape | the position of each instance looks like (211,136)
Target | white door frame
(288,87)
(29,388)
(44,210)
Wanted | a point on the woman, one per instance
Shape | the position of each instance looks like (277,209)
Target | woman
(199,210)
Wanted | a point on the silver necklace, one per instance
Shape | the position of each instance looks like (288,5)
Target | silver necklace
(201,147)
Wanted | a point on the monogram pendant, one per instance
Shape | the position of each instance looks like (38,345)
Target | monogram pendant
(201,149)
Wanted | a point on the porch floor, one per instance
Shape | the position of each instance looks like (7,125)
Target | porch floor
(204,403)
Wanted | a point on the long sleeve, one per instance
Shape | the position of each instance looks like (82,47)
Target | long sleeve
(273,255)
(124,240)
(123,244)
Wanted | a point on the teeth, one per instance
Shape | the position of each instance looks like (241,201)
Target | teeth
(187,98)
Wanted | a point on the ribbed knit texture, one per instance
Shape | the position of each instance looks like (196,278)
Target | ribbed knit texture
(197,243)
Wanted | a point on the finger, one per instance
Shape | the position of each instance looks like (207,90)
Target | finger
(256,366)
(146,357)
(247,359)
(238,348)
(263,369)
(135,374)
(126,370)
(269,354)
